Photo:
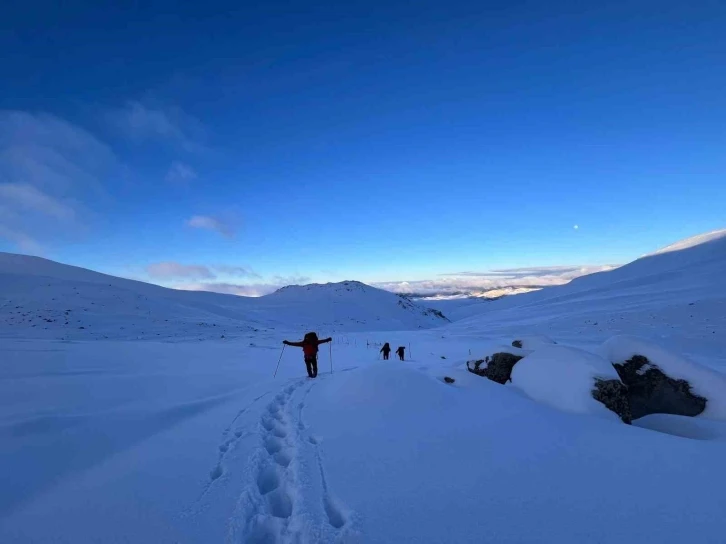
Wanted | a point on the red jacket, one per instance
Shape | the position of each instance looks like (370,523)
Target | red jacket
(310,349)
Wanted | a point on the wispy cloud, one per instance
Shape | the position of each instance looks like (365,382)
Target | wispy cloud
(252,290)
(537,271)
(48,166)
(477,282)
(26,198)
(140,122)
(290,280)
(237,271)
(215,224)
(170,271)
(180,173)
(247,290)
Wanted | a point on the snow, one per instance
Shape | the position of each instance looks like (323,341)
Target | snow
(42,299)
(535,341)
(165,432)
(564,377)
(692,241)
(704,381)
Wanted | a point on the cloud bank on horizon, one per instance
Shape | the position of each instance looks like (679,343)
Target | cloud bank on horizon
(203,278)
(480,282)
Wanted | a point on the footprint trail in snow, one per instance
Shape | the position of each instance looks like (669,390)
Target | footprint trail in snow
(286,498)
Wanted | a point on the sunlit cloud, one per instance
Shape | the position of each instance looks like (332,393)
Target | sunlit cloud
(212,223)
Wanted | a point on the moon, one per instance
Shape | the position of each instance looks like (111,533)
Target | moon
(576,227)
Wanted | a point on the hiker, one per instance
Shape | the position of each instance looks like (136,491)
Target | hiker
(310,351)
(386,350)
(400,351)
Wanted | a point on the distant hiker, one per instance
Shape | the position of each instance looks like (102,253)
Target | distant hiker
(310,351)
(400,351)
(386,350)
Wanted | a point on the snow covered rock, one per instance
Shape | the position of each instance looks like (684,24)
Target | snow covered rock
(572,380)
(498,365)
(660,382)
(533,342)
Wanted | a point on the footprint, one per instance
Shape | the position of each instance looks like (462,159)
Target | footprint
(261,531)
(273,444)
(238,433)
(280,503)
(314,440)
(268,479)
(283,458)
(335,515)
(216,472)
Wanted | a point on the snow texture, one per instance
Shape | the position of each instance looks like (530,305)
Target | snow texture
(134,413)
(564,377)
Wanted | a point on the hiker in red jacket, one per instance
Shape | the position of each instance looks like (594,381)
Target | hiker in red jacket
(310,350)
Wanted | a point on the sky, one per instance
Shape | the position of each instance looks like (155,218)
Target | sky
(240,146)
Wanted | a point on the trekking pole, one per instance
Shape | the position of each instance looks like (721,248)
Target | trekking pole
(331,358)
(278,361)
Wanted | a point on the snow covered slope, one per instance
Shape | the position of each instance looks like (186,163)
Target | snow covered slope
(44,299)
(350,305)
(196,442)
(678,295)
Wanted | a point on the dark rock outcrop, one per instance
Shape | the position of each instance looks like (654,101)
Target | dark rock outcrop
(447,379)
(614,395)
(517,344)
(651,391)
(497,367)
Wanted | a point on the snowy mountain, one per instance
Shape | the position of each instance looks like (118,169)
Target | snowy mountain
(44,299)
(189,441)
(684,286)
(351,305)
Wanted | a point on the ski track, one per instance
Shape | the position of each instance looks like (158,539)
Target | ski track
(285,500)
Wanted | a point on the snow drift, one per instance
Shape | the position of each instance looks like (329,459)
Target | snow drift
(564,378)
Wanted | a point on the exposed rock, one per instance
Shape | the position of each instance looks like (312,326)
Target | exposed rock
(614,395)
(449,380)
(497,367)
(651,391)
(532,342)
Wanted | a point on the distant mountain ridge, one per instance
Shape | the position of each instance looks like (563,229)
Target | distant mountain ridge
(43,298)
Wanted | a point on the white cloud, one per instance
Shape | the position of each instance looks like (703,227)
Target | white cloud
(25,197)
(172,270)
(212,223)
(238,271)
(48,167)
(478,282)
(25,243)
(141,123)
(180,173)
(247,290)
(253,290)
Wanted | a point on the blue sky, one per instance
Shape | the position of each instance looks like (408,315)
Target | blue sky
(261,143)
